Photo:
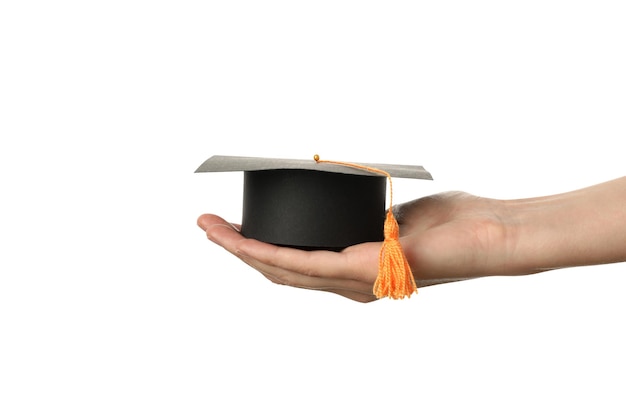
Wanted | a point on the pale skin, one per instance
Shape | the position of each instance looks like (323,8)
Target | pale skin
(455,236)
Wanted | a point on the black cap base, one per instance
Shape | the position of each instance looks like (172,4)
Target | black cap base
(313,210)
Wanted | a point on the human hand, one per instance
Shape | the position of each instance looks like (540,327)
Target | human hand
(446,237)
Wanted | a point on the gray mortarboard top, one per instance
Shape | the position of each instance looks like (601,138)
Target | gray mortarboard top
(311,205)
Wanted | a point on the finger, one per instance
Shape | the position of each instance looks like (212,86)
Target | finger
(362,298)
(359,262)
(207,220)
(294,279)
(365,295)
(224,234)
(318,270)
(355,261)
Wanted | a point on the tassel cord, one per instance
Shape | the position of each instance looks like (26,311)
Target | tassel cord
(395,278)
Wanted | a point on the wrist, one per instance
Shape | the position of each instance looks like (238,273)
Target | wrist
(536,243)
(582,227)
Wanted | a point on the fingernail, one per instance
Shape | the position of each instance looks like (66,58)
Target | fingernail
(200,222)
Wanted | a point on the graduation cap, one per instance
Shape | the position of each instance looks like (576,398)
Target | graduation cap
(317,204)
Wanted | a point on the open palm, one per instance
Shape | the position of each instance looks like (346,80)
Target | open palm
(446,237)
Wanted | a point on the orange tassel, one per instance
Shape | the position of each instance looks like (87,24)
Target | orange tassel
(395,278)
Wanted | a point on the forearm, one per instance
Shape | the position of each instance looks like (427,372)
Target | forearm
(583,227)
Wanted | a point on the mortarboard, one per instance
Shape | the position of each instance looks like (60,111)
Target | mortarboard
(314,204)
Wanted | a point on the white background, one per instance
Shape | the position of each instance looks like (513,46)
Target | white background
(112,301)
